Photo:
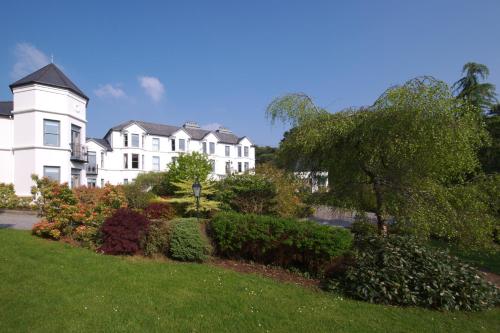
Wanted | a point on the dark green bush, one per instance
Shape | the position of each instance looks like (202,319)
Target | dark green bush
(137,196)
(247,193)
(398,270)
(157,238)
(279,241)
(362,227)
(187,243)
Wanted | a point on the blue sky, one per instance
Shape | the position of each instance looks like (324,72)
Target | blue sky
(222,62)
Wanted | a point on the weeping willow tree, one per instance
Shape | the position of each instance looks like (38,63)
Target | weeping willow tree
(393,158)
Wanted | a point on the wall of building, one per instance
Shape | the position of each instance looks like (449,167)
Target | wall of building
(6,155)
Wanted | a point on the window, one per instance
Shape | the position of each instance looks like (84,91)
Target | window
(182,144)
(239,167)
(143,140)
(52,173)
(156,163)
(102,159)
(239,151)
(246,151)
(91,182)
(173,144)
(204,145)
(135,161)
(75,135)
(227,150)
(135,140)
(246,167)
(102,182)
(228,168)
(125,181)
(125,139)
(51,132)
(142,162)
(125,161)
(212,164)
(212,147)
(156,144)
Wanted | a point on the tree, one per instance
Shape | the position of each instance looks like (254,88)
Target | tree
(190,167)
(184,196)
(265,154)
(481,95)
(387,158)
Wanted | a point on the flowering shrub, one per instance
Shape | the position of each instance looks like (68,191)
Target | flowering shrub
(46,230)
(123,232)
(55,202)
(8,198)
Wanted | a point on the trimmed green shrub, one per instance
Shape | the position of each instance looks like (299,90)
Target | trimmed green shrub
(399,271)
(157,239)
(247,193)
(279,241)
(8,198)
(187,242)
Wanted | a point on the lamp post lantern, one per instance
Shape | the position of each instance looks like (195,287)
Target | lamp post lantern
(197,194)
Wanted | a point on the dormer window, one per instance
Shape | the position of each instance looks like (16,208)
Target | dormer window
(245,151)
(239,151)
(173,144)
(135,140)
(204,146)
(212,147)
(182,144)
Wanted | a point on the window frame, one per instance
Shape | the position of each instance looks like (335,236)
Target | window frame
(211,147)
(240,152)
(155,147)
(125,139)
(227,151)
(246,151)
(182,144)
(125,161)
(53,167)
(132,139)
(57,135)
(132,161)
(154,166)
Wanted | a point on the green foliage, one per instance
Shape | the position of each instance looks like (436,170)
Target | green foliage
(415,139)
(190,167)
(157,238)
(8,198)
(184,197)
(187,242)
(362,227)
(159,183)
(137,196)
(285,242)
(247,193)
(490,155)
(290,191)
(266,154)
(397,270)
(468,88)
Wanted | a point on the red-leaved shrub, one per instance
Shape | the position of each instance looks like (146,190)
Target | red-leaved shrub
(159,210)
(123,231)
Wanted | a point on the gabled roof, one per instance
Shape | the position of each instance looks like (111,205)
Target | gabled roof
(102,142)
(6,108)
(52,76)
(196,133)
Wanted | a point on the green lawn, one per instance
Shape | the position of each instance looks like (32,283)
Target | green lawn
(52,287)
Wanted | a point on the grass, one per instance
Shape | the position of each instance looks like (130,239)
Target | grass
(48,286)
(488,260)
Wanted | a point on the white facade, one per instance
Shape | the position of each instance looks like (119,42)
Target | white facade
(116,163)
(43,132)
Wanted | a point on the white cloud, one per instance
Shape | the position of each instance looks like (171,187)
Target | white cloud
(28,60)
(152,87)
(211,126)
(108,90)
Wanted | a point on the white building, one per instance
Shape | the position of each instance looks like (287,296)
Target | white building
(43,130)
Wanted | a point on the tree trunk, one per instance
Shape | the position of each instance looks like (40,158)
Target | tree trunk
(382,227)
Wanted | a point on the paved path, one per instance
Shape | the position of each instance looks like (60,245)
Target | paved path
(17,220)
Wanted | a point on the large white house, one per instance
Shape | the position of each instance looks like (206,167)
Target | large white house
(43,132)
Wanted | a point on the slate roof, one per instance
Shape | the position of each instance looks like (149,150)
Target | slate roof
(196,133)
(49,75)
(6,108)
(102,142)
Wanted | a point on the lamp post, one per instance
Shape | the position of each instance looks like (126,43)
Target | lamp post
(197,194)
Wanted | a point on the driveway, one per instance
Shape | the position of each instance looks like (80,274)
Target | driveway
(17,219)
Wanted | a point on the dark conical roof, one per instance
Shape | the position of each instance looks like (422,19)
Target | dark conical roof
(52,76)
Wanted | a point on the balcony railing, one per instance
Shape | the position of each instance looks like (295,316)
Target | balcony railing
(78,152)
(92,169)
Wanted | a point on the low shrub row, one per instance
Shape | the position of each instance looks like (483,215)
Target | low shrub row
(279,241)
(400,271)
(9,199)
